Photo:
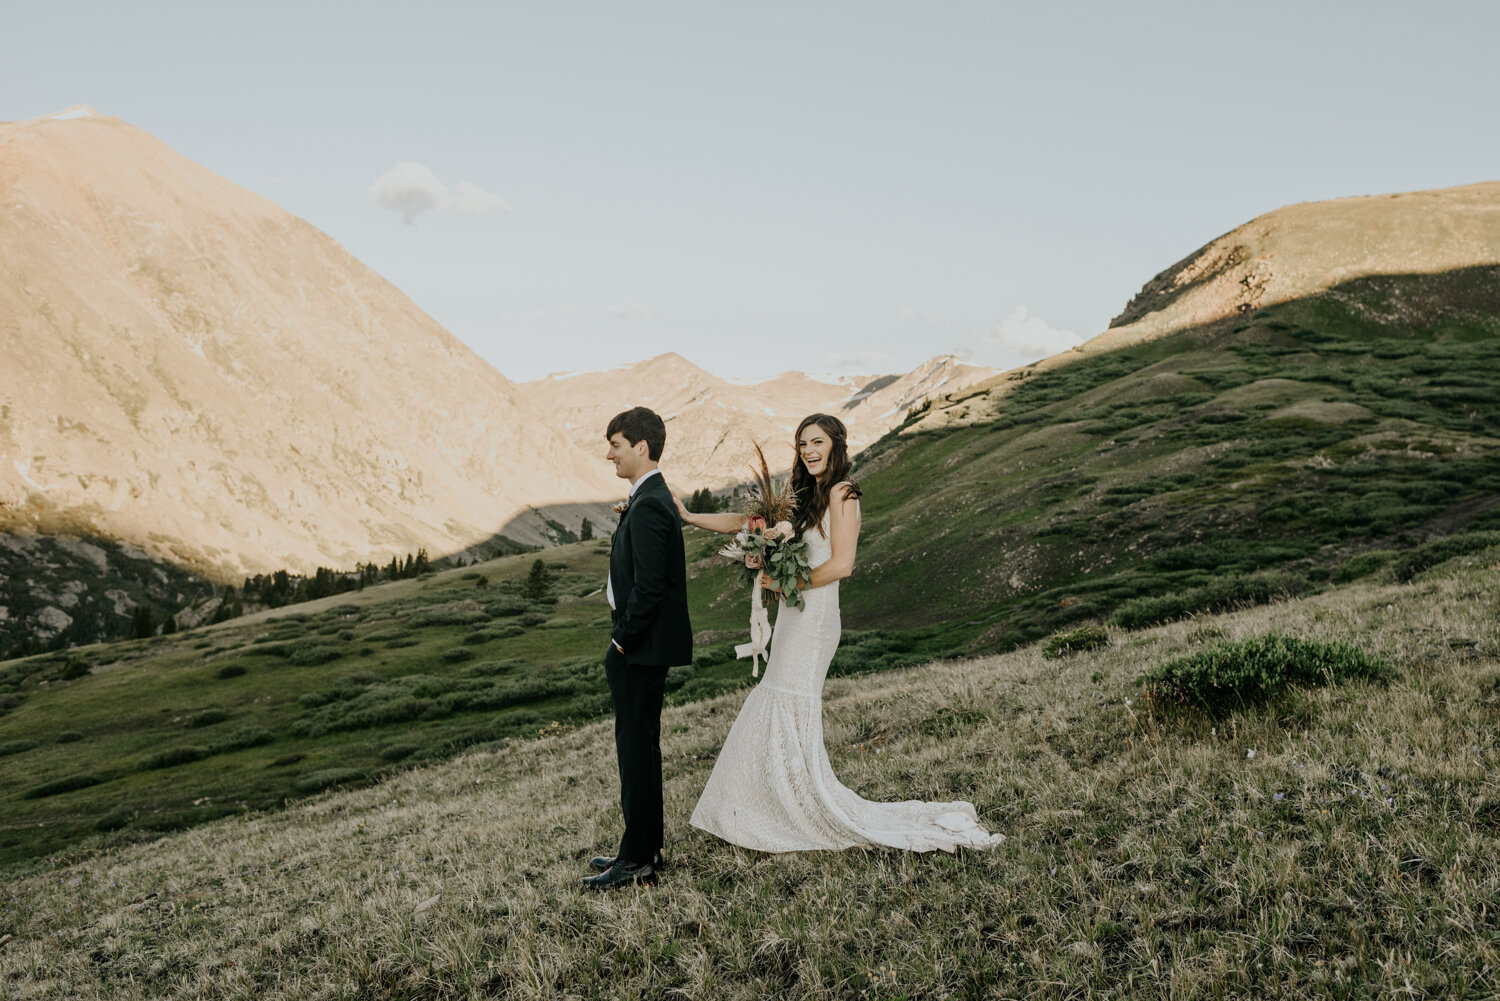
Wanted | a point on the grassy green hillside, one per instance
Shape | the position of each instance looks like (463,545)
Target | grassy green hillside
(1269,455)
(1334,841)
(125,740)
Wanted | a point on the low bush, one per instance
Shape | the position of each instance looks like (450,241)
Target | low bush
(447,617)
(457,655)
(487,668)
(115,819)
(1228,675)
(62,785)
(1219,594)
(395,752)
(207,717)
(231,670)
(171,757)
(241,739)
(506,606)
(1084,638)
(402,643)
(533,619)
(1430,554)
(308,654)
(69,736)
(1363,564)
(16,747)
(381,635)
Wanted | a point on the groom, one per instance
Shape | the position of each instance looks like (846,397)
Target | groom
(647,593)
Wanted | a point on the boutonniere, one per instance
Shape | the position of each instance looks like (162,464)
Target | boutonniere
(619,508)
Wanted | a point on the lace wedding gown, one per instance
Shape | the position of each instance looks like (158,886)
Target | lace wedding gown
(772,787)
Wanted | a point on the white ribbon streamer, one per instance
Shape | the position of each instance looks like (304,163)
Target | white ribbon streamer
(760,632)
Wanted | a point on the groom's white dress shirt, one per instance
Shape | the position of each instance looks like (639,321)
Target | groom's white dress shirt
(609,585)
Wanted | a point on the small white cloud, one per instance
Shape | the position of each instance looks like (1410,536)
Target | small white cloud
(470,199)
(409,188)
(412,188)
(1028,336)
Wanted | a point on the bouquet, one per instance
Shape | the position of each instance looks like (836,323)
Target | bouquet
(768,544)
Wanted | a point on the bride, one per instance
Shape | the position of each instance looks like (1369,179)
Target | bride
(772,787)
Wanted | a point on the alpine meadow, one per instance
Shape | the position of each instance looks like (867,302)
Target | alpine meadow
(1202,616)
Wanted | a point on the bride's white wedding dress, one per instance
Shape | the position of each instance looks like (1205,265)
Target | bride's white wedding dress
(772,788)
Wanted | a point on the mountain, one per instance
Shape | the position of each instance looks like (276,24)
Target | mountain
(194,372)
(1309,250)
(1201,455)
(711,422)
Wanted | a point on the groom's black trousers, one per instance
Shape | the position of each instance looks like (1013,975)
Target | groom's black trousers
(637,694)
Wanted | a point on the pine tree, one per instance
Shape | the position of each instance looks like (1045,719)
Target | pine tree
(142,626)
(586,531)
(537,582)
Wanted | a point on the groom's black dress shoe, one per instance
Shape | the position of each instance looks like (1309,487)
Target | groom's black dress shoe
(621,874)
(602,863)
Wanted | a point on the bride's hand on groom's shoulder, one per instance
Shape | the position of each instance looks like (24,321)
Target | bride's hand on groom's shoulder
(682,511)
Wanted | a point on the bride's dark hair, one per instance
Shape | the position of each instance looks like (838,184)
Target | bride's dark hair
(813,494)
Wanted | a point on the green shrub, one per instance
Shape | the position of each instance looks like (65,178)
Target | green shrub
(62,785)
(231,670)
(506,606)
(447,617)
(402,644)
(1228,675)
(395,752)
(74,668)
(1084,638)
(241,739)
(533,619)
(1219,594)
(381,635)
(1432,553)
(312,654)
(324,778)
(172,756)
(16,747)
(207,717)
(487,668)
(457,655)
(115,819)
(1363,564)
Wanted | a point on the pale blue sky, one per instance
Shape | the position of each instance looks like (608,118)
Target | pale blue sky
(823,186)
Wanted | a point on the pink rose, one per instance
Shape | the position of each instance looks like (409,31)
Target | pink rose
(773,533)
(753,561)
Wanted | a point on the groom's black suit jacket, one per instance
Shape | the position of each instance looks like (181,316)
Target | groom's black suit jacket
(648,573)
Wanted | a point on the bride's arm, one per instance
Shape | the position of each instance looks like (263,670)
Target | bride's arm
(728,524)
(843,533)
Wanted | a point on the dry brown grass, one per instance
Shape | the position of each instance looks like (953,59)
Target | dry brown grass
(1354,854)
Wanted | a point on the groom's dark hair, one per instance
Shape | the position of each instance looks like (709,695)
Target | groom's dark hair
(639,423)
